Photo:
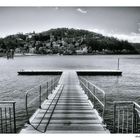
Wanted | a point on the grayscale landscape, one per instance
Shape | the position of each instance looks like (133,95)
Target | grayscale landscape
(69,70)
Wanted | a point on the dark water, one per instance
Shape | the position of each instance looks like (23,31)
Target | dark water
(126,87)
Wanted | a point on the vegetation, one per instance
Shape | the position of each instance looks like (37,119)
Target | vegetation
(65,41)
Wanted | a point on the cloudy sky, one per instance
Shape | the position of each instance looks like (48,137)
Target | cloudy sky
(120,22)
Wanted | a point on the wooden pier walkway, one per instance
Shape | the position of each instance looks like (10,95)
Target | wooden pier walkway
(67,110)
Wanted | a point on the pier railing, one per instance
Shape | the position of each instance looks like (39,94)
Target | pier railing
(96,95)
(7,117)
(126,117)
(35,96)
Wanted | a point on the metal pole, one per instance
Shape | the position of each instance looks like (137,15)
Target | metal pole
(119,112)
(127,113)
(123,115)
(118,63)
(133,119)
(10,120)
(114,119)
(5,120)
(104,108)
(14,115)
(51,85)
(47,91)
(1,120)
(88,91)
(94,97)
(26,106)
(40,96)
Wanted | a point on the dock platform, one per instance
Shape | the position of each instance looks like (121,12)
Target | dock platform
(67,110)
(79,72)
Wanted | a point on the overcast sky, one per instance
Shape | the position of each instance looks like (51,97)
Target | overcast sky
(122,22)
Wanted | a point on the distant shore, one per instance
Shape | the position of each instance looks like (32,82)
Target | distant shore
(32,54)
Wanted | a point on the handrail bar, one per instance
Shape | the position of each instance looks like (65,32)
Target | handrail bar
(94,95)
(27,93)
(127,102)
(93,85)
(53,82)
(41,83)
(7,102)
(83,81)
(96,88)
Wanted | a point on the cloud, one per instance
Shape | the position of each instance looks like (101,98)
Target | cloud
(81,10)
(132,37)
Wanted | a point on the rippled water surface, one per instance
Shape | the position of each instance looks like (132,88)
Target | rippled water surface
(126,87)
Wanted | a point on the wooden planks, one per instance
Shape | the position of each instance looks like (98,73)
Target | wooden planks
(72,114)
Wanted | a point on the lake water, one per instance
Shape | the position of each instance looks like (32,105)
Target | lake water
(126,87)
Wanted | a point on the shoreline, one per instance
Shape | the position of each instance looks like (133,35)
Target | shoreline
(29,54)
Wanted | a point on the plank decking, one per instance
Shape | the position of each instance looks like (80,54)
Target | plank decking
(66,111)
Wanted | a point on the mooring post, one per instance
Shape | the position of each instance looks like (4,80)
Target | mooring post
(118,63)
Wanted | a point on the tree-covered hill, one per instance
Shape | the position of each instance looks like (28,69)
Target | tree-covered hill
(65,41)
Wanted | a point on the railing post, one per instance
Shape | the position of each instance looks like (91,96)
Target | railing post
(134,119)
(47,91)
(94,95)
(10,120)
(26,104)
(5,111)
(26,107)
(127,121)
(14,117)
(40,96)
(114,118)
(1,120)
(86,87)
(51,86)
(104,108)
(88,91)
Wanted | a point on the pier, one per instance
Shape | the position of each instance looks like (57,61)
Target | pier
(67,110)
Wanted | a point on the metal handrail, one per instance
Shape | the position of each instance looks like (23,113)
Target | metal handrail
(41,83)
(126,117)
(53,83)
(56,97)
(7,117)
(85,84)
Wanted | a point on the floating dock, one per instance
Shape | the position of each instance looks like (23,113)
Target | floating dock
(67,110)
(40,72)
(79,72)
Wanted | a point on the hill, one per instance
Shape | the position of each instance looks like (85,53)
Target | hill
(136,46)
(66,41)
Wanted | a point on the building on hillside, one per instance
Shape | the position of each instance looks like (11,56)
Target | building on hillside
(82,51)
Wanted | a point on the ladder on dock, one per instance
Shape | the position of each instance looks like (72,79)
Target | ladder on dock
(67,110)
